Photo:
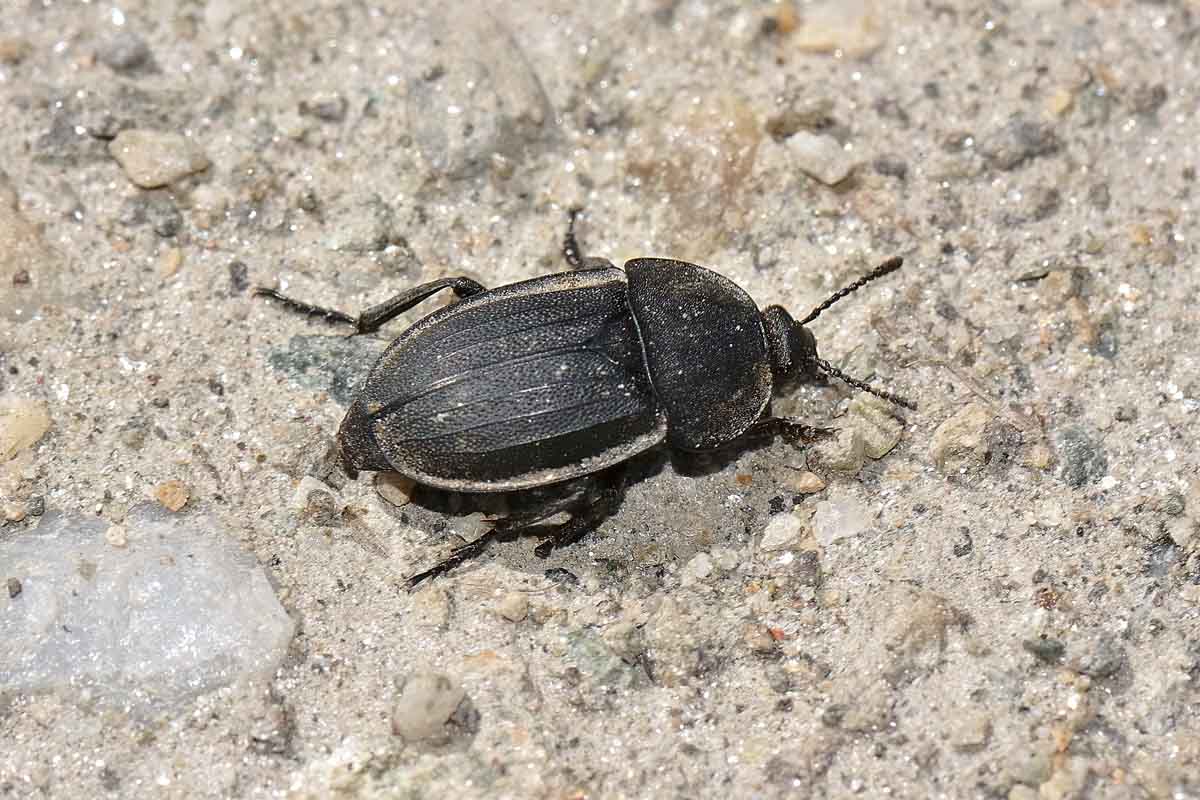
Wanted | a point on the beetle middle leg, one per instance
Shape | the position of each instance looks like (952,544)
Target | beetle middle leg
(587,510)
(593,508)
(377,316)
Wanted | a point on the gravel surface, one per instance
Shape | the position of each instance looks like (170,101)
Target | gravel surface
(995,596)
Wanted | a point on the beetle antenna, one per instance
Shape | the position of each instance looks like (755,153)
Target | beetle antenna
(830,369)
(891,265)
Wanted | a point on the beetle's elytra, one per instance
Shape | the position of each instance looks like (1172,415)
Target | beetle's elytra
(572,374)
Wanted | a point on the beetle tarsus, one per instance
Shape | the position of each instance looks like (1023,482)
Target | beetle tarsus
(570,245)
(791,429)
(457,556)
(571,250)
(301,307)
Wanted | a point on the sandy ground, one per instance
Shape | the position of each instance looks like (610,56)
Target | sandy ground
(1005,604)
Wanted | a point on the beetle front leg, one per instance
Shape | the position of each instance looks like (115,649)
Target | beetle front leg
(377,316)
(791,429)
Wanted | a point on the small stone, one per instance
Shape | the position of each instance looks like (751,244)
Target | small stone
(854,28)
(173,495)
(14,50)
(1103,659)
(133,434)
(759,639)
(125,52)
(26,262)
(22,424)
(1018,142)
(14,512)
(970,731)
(1082,459)
(364,225)
(1039,457)
(626,639)
(1022,792)
(514,606)
(428,708)
(1069,779)
(1183,531)
(170,262)
(432,607)
(839,519)
(1060,101)
(783,532)
(14,587)
(328,106)
(880,430)
(320,508)
(699,568)
(37,506)
(844,453)
(805,483)
(395,488)
(152,159)
(961,441)
(820,156)
(239,277)
(116,535)
(1048,651)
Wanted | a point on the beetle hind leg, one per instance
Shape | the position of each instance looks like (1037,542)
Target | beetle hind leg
(570,246)
(377,316)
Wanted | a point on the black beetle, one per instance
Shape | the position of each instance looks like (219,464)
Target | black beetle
(572,374)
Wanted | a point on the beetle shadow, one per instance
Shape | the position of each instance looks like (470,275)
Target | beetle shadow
(432,504)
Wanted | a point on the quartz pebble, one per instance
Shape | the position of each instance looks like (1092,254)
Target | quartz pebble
(854,28)
(837,519)
(156,158)
(820,156)
(22,423)
(180,610)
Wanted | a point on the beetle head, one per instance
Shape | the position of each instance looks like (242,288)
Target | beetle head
(793,348)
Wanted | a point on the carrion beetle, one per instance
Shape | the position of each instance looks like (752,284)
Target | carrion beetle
(570,375)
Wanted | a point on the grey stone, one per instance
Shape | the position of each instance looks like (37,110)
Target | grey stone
(335,364)
(125,52)
(1082,458)
(1018,142)
(178,611)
